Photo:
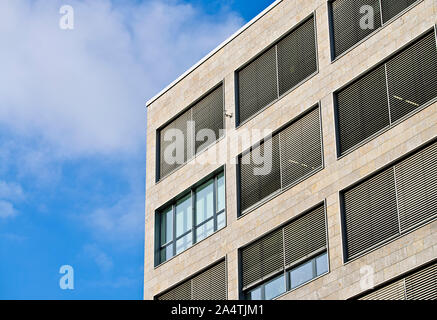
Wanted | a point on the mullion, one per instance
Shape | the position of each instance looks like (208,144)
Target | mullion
(215,203)
(204,222)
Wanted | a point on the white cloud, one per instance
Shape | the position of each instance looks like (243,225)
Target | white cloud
(10,191)
(122,222)
(7,209)
(102,260)
(83,91)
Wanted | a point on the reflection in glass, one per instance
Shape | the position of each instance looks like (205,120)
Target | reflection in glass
(274,288)
(205,202)
(220,192)
(183,243)
(255,294)
(301,274)
(204,230)
(322,264)
(166,226)
(183,215)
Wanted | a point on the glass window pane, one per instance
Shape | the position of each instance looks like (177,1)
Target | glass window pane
(205,201)
(220,191)
(166,221)
(183,215)
(322,264)
(221,221)
(183,243)
(204,230)
(166,253)
(275,288)
(255,294)
(301,274)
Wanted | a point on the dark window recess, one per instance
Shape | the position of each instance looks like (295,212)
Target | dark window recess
(412,77)
(352,19)
(208,113)
(296,152)
(286,64)
(257,84)
(367,106)
(391,8)
(421,285)
(297,56)
(180,123)
(210,284)
(416,181)
(362,109)
(346,19)
(370,213)
(265,262)
(391,202)
(254,185)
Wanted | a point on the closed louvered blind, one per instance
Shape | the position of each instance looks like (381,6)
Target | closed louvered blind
(300,148)
(362,109)
(422,285)
(412,77)
(370,213)
(287,63)
(262,258)
(257,84)
(211,284)
(209,114)
(254,185)
(297,58)
(391,8)
(305,236)
(416,181)
(394,291)
(170,145)
(181,292)
(346,18)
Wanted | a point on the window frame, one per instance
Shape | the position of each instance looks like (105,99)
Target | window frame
(243,213)
(393,124)
(364,179)
(239,123)
(191,193)
(243,291)
(158,177)
(194,275)
(383,25)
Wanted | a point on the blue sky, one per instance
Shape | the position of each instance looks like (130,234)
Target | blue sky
(72,133)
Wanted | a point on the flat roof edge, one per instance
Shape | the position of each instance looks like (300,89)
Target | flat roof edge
(214,51)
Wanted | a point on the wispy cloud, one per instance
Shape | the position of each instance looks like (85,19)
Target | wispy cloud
(83,90)
(102,260)
(7,209)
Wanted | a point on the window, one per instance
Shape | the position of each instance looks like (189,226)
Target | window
(391,202)
(210,284)
(191,218)
(191,132)
(287,157)
(285,258)
(276,71)
(308,270)
(420,285)
(386,94)
(347,17)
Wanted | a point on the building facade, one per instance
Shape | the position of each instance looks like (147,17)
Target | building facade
(298,160)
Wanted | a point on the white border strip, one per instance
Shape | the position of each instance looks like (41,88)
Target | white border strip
(209,55)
